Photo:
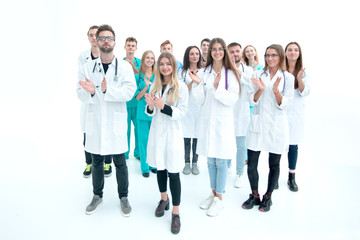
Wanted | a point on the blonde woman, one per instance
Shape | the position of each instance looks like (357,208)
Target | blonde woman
(167,104)
(251,58)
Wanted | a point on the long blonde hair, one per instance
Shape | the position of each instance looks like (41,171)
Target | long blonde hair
(173,93)
(143,66)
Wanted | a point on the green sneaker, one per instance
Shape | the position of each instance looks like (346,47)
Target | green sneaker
(87,171)
(107,170)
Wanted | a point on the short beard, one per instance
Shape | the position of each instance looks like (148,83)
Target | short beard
(106,50)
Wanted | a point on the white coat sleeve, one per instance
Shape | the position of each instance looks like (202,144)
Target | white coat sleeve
(198,90)
(288,92)
(83,95)
(306,90)
(122,92)
(252,89)
(180,109)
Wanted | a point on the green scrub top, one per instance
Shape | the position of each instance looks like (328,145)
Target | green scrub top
(140,83)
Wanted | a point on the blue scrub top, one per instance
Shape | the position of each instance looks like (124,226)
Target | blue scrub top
(140,83)
(133,102)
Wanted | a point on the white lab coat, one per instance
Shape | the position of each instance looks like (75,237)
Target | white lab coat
(242,106)
(165,149)
(296,112)
(268,129)
(216,137)
(84,57)
(106,117)
(189,121)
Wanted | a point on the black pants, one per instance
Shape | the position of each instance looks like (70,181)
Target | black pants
(88,159)
(187,146)
(292,156)
(175,185)
(122,176)
(274,170)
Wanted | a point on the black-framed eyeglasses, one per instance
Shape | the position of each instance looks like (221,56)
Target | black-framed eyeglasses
(109,38)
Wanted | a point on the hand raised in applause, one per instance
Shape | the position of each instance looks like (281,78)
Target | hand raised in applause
(88,86)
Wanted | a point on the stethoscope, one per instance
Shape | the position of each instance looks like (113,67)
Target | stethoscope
(142,77)
(266,75)
(226,75)
(99,69)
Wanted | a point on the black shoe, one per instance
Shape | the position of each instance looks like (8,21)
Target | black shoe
(291,183)
(175,224)
(265,204)
(249,204)
(107,170)
(146,175)
(276,185)
(153,170)
(163,205)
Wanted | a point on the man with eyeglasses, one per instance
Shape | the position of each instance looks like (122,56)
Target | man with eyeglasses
(130,48)
(86,56)
(106,84)
(241,111)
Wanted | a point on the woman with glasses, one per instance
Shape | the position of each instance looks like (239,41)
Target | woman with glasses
(271,91)
(167,104)
(296,109)
(144,79)
(216,89)
(191,63)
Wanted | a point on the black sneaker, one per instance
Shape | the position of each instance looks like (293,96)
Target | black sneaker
(249,204)
(153,170)
(107,170)
(87,171)
(265,204)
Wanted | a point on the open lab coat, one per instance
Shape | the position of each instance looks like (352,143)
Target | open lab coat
(216,138)
(106,116)
(268,129)
(165,149)
(296,113)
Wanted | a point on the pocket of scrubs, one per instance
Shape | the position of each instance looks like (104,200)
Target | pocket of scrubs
(120,124)
(89,123)
(255,124)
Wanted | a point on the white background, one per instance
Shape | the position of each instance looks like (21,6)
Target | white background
(43,194)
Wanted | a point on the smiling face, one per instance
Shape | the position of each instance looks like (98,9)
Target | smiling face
(166,48)
(194,55)
(292,52)
(250,53)
(272,58)
(205,47)
(217,52)
(165,67)
(235,53)
(149,60)
(106,46)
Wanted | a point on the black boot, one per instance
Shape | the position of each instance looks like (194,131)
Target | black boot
(291,183)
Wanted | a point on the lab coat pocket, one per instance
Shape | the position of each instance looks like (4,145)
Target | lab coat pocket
(120,124)
(255,124)
(89,123)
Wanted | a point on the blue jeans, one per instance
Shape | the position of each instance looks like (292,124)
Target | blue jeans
(292,156)
(218,173)
(241,154)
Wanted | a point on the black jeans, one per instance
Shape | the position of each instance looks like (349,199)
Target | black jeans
(187,146)
(292,156)
(88,159)
(274,170)
(122,176)
(175,185)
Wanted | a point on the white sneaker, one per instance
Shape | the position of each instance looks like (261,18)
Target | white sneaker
(216,207)
(238,181)
(207,202)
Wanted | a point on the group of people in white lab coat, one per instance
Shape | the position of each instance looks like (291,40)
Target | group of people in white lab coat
(208,101)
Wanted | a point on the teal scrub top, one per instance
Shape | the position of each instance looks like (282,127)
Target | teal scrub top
(133,102)
(140,83)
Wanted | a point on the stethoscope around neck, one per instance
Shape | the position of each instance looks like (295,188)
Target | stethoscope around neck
(226,75)
(99,69)
(266,75)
